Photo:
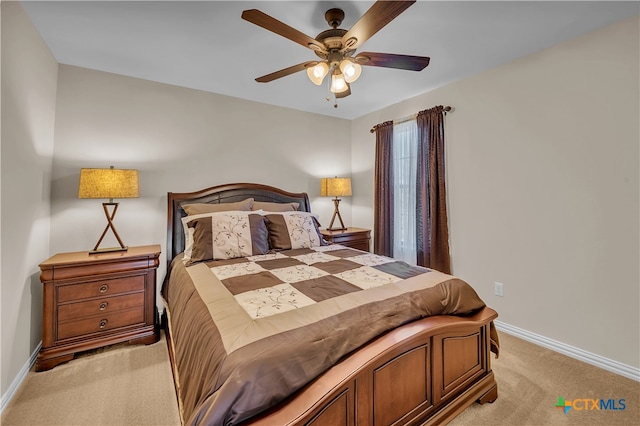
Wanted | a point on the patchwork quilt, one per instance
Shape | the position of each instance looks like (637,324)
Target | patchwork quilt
(270,284)
(248,332)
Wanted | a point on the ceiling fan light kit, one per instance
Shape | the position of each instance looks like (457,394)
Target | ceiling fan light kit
(350,70)
(338,83)
(336,46)
(317,72)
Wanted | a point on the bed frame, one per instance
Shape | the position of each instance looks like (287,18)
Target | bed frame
(424,372)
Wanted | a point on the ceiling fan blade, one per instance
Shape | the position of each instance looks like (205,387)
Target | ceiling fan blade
(285,72)
(374,19)
(390,60)
(269,23)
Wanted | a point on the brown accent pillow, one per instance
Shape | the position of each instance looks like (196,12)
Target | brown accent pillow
(293,230)
(202,208)
(228,235)
(275,207)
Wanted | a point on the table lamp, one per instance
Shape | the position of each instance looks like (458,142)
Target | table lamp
(335,187)
(108,183)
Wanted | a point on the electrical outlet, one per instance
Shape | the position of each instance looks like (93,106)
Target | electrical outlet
(497,289)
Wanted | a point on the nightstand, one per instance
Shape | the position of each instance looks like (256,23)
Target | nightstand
(94,300)
(357,238)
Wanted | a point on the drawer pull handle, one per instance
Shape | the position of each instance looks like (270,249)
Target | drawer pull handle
(103,306)
(103,323)
(103,288)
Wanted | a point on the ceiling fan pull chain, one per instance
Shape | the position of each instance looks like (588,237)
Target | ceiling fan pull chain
(329,92)
(328,98)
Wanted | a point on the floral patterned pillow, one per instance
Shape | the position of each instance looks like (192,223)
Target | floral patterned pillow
(293,230)
(227,235)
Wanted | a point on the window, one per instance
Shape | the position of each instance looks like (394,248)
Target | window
(405,149)
(410,210)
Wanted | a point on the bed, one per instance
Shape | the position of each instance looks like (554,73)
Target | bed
(330,352)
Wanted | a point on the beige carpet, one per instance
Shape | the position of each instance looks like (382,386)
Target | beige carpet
(132,385)
(530,380)
(121,385)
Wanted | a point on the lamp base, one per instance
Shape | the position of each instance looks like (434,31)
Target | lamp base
(110,225)
(108,250)
(336,212)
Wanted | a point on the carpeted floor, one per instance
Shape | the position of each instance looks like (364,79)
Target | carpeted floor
(532,378)
(119,385)
(132,385)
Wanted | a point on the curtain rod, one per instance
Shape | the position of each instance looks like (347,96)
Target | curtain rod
(373,129)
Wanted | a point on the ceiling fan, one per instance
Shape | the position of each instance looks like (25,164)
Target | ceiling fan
(336,46)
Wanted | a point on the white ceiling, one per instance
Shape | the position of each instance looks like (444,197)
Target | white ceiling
(205,45)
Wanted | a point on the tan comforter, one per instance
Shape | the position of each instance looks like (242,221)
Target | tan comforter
(249,332)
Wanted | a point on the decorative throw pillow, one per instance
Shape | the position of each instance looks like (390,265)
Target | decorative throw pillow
(203,208)
(227,235)
(293,230)
(275,207)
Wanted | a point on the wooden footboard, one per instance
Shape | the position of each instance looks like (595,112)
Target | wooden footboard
(426,372)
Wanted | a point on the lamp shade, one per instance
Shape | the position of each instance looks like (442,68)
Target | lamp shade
(338,84)
(351,70)
(335,187)
(108,183)
(317,72)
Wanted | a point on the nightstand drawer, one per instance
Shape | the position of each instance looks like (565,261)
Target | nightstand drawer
(68,293)
(104,305)
(357,238)
(100,323)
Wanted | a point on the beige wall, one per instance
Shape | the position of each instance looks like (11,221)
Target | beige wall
(542,169)
(180,140)
(28,114)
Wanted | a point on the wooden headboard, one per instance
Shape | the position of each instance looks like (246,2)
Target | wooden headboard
(228,193)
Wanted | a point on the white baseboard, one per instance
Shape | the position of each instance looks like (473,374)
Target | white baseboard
(571,351)
(6,398)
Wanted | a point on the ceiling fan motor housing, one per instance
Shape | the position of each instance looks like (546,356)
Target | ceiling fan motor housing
(332,38)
